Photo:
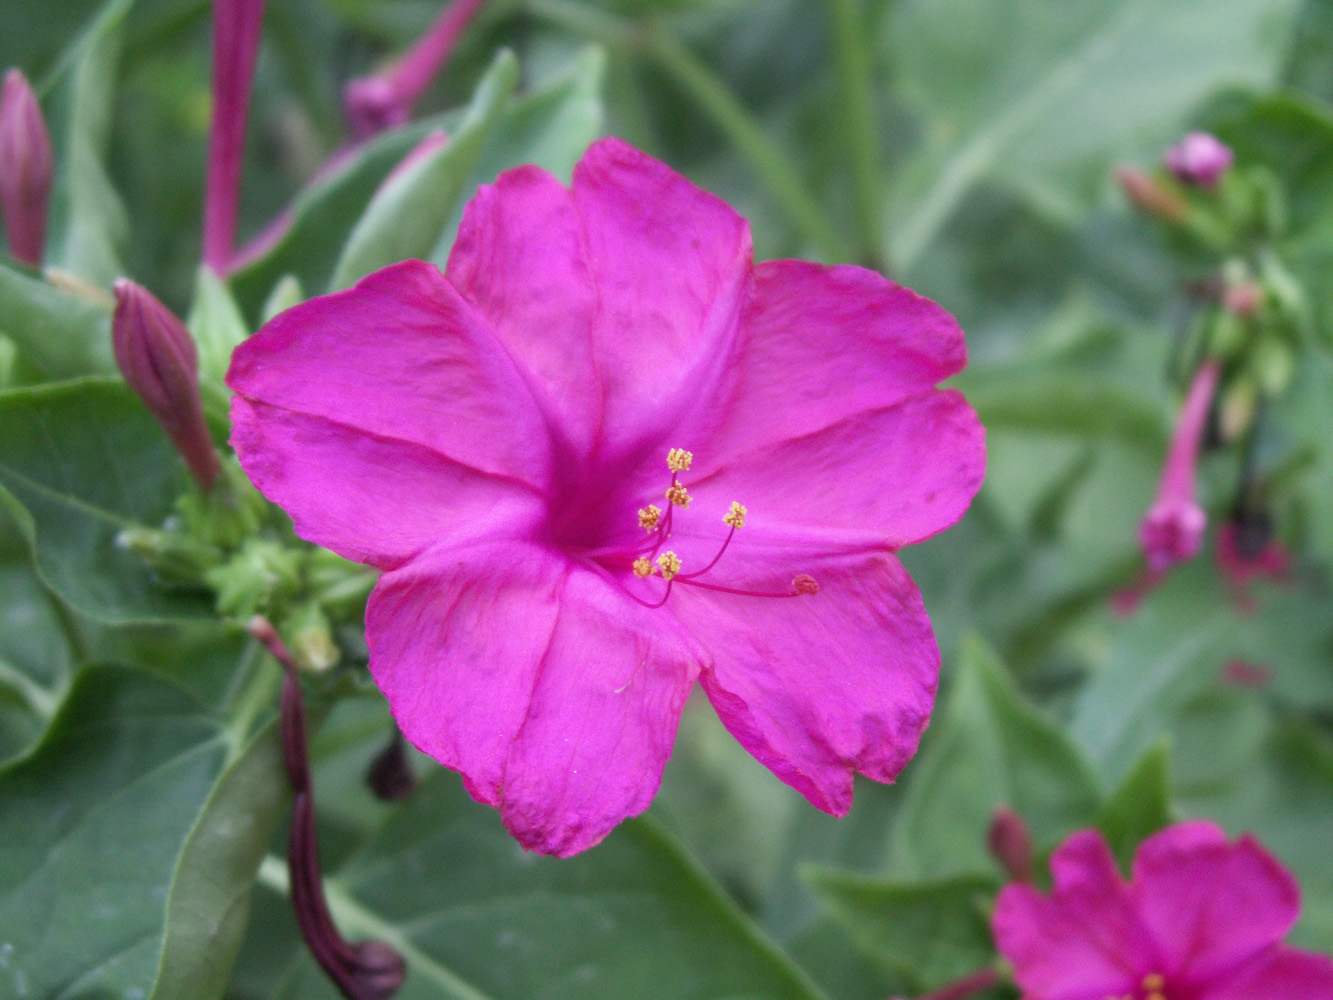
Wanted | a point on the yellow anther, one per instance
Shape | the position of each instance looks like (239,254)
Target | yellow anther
(1154,981)
(649,516)
(678,459)
(735,517)
(642,567)
(678,495)
(669,563)
(804,583)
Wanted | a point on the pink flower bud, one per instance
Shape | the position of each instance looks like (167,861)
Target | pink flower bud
(1149,196)
(158,358)
(1172,530)
(26,165)
(1199,159)
(1010,844)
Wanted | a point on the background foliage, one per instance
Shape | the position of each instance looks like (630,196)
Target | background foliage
(964,147)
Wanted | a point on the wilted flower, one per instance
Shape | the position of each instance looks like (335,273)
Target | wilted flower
(508,442)
(158,358)
(26,166)
(1200,919)
(1200,159)
(1172,529)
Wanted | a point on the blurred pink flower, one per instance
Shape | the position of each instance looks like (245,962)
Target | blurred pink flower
(1199,158)
(1172,529)
(26,168)
(502,440)
(236,30)
(1200,919)
(384,100)
(1241,562)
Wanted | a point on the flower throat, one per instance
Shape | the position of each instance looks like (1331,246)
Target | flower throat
(648,559)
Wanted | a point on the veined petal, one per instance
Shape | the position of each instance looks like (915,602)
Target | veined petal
(372,499)
(1052,954)
(820,344)
(1280,973)
(401,355)
(1211,905)
(903,472)
(553,693)
(521,259)
(823,685)
(672,266)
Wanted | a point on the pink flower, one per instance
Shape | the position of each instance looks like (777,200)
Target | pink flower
(1172,530)
(1201,919)
(1200,159)
(507,441)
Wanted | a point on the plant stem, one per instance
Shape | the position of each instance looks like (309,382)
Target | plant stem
(851,55)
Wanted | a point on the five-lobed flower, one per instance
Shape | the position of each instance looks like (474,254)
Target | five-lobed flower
(507,441)
(1201,918)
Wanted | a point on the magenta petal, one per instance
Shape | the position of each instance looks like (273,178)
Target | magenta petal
(1053,956)
(520,259)
(401,355)
(1085,941)
(1280,973)
(371,499)
(902,473)
(672,268)
(824,343)
(555,695)
(1211,905)
(823,685)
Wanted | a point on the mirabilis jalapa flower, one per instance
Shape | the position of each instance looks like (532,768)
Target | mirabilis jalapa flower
(605,455)
(1200,919)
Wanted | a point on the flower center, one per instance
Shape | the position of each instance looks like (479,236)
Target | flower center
(648,559)
(1153,987)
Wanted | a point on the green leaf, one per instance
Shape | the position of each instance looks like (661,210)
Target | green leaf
(94,823)
(323,214)
(930,933)
(36,658)
(217,327)
(1139,807)
(57,334)
(89,227)
(1172,648)
(1039,96)
(477,917)
(80,462)
(209,904)
(992,747)
(407,215)
(551,126)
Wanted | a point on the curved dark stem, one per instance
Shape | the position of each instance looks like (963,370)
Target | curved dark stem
(367,970)
(959,989)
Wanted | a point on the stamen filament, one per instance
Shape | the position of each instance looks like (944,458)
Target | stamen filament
(736,590)
(725,542)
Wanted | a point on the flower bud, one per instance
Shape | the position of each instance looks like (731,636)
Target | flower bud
(26,165)
(1199,159)
(1010,844)
(1149,196)
(158,359)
